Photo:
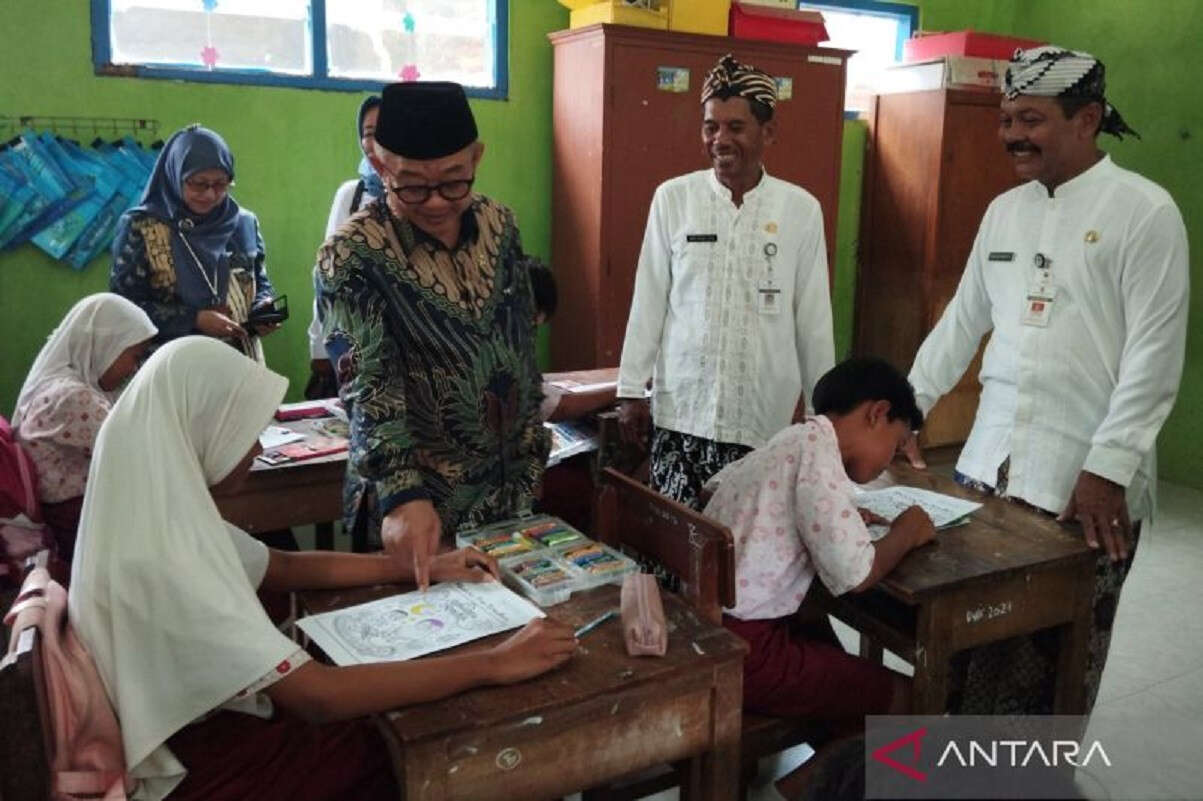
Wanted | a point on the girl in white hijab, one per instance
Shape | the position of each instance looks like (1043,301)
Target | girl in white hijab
(163,596)
(67,395)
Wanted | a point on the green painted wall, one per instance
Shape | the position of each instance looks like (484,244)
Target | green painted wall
(843,289)
(292,149)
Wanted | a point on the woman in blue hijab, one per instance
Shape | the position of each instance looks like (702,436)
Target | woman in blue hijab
(187,254)
(350,197)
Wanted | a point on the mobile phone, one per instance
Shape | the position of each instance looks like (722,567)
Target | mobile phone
(269,313)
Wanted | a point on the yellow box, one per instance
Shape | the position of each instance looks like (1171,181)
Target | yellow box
(792,5)
(616,12)
(698,16)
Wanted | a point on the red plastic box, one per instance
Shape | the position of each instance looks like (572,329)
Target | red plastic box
(749,21)
(964,43)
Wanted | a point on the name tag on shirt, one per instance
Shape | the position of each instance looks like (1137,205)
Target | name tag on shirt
(1037,312)
(1041,293)
(768,298)
(701,237)
(1000,255)
(1039,305)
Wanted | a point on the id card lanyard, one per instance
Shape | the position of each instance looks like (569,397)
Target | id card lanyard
(768,294)
(186,225)
(1041,294)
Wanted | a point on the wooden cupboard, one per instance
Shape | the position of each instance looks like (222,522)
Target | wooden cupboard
(933,163)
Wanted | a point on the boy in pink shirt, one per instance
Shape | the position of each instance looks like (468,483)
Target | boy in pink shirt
(791,507)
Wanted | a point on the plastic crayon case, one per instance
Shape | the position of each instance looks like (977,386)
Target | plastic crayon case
(500,544)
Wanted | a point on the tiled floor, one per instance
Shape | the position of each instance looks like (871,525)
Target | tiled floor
(1150,705)
(1149,714)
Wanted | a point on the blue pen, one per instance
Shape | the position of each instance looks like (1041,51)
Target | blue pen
(592,624)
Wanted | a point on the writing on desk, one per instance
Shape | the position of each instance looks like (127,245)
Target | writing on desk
(664,514)
(508,758)
(988,612)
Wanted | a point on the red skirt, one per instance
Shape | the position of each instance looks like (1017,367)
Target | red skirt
(233,757)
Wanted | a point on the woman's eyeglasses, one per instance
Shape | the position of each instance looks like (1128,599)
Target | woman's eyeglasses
(417,194)
(220,186)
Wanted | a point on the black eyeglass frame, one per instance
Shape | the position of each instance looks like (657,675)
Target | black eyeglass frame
(418,194)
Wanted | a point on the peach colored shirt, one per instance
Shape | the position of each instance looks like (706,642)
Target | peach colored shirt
(63,419)
(792,511)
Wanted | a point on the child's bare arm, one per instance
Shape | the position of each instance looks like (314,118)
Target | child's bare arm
(320,693)
(909,530)
(575,405)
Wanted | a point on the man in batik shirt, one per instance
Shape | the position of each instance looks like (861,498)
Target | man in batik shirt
(425,304)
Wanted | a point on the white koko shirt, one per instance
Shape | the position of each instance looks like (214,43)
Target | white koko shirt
(1090,389)
(728,364)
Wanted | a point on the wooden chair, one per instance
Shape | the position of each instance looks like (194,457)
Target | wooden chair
(25,743)
(700,553)
(627,459)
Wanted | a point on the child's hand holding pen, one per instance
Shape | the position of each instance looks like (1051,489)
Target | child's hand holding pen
(539,646)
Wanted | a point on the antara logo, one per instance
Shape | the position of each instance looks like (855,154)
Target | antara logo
(990,753)
(882,754)
(1023,753)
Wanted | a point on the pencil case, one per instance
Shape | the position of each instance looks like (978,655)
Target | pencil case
(644,629)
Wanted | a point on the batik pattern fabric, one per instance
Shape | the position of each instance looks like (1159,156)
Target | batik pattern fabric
(1018,676)
(682,463)
(434,349)
(146,272)
(1050,71)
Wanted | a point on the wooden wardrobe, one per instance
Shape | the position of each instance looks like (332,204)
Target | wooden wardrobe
(622,127)
(933,164)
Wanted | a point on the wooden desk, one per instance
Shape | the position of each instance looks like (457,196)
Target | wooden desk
(602,716)
(1010,571)
(310,491)
(575,379)
(294,494)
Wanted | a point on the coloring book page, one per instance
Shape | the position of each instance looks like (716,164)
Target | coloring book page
(944,510)
(416,623)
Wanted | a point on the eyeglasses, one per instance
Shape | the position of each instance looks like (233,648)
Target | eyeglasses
(220,186)
(417,194)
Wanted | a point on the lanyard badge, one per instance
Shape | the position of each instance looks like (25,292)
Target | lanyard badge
(768,295)
(1041,294)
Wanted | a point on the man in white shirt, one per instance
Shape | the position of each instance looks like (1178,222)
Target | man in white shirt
(1081,277)
(350,197)
(731,312)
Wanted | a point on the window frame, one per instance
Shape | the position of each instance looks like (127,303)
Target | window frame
(906,14)
(102,60)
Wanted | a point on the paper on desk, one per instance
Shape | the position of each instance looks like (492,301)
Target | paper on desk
(945,511)
(275,436)
(569,439)
(575,387)
(416,623)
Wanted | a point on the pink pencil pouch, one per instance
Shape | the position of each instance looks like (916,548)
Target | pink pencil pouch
(643,626)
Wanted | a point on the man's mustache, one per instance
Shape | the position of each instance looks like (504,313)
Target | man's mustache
(1022,146)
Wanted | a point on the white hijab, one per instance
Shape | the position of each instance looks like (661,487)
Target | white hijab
(85,344)
(158,593)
